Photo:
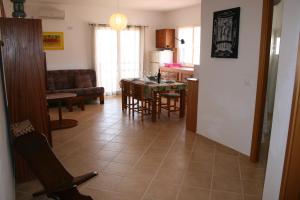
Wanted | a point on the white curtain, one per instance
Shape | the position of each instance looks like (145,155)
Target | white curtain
(118,55)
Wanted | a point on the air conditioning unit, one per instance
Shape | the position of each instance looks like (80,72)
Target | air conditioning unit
(51,13)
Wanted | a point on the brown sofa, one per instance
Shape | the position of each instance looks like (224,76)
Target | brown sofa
(79,81)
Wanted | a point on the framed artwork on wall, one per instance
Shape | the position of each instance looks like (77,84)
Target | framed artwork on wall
(53,40)
(225,37)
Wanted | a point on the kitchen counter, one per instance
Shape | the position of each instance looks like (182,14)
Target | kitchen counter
(177,73)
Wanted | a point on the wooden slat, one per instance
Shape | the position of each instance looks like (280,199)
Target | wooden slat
(25,76)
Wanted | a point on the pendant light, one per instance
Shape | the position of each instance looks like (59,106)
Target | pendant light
(118,21)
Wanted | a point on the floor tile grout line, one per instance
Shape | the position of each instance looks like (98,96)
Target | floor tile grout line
(213,172)
(145,151)
(159,167)
(185,170)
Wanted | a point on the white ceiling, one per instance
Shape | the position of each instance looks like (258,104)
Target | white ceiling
(153,5)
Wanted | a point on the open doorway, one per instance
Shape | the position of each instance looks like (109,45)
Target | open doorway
(267,76)
(272,78)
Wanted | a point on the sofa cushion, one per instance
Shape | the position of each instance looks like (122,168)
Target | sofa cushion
(93,91)
(62,82)
(83,81)
(50,83)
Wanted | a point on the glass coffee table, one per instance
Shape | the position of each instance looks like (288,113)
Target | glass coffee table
(61,123)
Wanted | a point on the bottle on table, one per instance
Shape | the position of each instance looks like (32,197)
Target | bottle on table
(158,76)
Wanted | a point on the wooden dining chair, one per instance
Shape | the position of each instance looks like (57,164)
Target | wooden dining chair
(172,98)
(141,103)
(58,183)
(126,95)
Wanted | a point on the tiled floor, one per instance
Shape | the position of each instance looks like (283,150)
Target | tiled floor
(149,161)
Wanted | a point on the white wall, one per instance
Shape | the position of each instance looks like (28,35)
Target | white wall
(6,177)
(190,16)
(283,98)
(227,87)
(78,34)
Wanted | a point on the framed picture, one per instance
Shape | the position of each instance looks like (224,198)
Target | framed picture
(225,38)
(53,40)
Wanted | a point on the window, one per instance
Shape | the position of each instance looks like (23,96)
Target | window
(117,56)
(189,52)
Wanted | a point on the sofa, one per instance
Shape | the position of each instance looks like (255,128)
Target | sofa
(79,81)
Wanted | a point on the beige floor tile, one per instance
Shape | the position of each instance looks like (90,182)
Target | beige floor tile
(201,180)
(161,191)
(226,167)
(253,197)
(220,195)
(205,166)
(159,161)
(169,176)
(253,187)
(119,169)
(190,193)
(223,150)
(226,184)
(252,173)
(104,182)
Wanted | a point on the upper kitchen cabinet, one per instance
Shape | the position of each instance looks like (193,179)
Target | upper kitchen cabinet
(165,38)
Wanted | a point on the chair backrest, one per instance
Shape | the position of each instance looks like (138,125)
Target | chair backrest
(137,91)
(36,151)
(126,87)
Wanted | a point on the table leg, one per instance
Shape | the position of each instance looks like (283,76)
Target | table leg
(182,103)
(154,106)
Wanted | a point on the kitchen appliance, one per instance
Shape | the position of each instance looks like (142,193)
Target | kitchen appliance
(159,59)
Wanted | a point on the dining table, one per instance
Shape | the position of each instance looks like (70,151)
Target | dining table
(153,89)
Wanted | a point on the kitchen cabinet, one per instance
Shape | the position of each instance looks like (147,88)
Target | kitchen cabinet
(165,38)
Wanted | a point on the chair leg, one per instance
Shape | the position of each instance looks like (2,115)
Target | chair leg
(142,110)
(169,107)
(128,103)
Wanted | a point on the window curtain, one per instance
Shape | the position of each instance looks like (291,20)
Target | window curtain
(117,55)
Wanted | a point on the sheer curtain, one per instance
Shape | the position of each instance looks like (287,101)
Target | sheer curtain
(117,54)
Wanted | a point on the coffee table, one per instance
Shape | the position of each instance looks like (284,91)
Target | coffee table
(61,123)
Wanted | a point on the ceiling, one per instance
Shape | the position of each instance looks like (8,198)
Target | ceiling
(151,5)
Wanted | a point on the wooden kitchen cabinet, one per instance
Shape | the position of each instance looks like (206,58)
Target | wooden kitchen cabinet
(165,38)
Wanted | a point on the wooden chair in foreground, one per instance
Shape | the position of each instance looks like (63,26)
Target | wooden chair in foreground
(140,103)
(57,181)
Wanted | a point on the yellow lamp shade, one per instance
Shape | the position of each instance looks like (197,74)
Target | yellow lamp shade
(118,21)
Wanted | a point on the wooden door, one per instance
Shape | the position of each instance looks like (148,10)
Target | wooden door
(290,187)
(23,62)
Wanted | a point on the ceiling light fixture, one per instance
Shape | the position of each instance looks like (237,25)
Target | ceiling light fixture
(118,21)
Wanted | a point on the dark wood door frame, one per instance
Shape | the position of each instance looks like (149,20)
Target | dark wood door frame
(266,32)
(291,177)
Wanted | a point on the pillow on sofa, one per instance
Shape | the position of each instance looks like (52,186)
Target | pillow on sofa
(50,84)
(62,82)
(83,81)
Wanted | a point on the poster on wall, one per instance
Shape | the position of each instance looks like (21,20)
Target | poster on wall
(225,37)
(53,40)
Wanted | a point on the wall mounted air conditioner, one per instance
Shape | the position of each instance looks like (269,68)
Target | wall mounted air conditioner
(51,13)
